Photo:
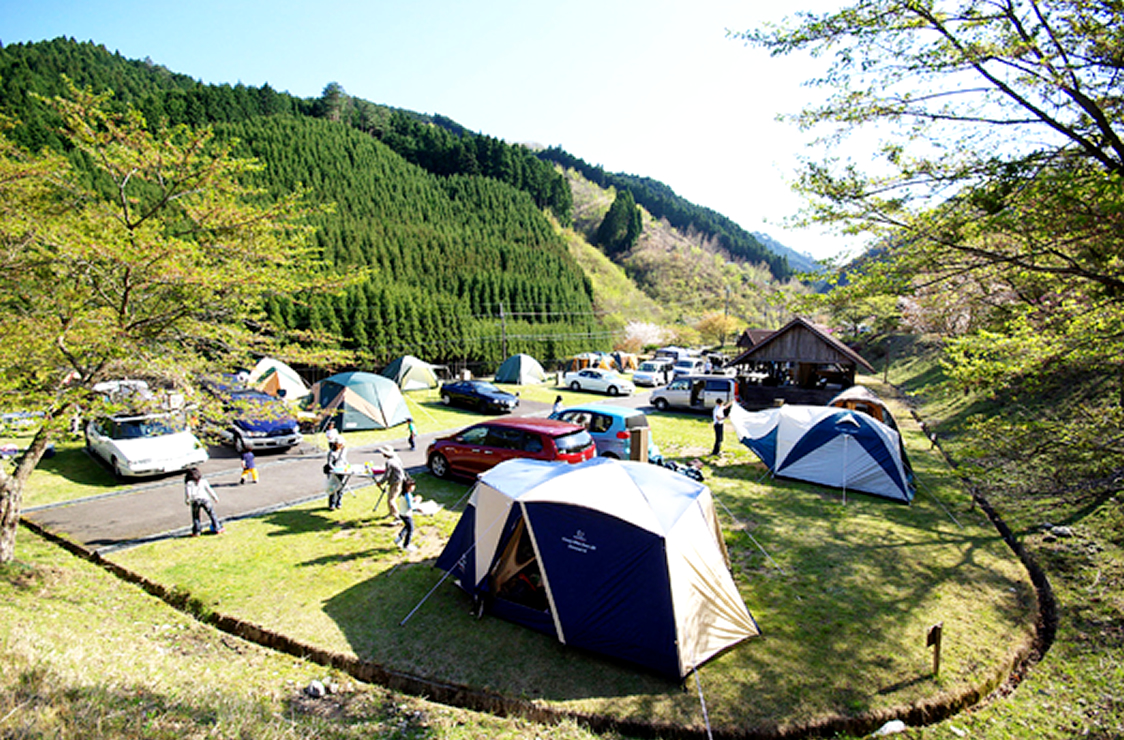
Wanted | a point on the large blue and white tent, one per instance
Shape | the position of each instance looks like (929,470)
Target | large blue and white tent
(618,557)
(830,446)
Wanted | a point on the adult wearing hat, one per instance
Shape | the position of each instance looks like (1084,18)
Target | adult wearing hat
(393,477)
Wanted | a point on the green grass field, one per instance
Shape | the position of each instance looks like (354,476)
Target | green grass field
(844,597)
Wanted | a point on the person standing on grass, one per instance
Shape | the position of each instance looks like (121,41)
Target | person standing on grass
(720,414)
(413,430)
(198,494)
(249,467)
(393,477)
(402,539)
(334,469)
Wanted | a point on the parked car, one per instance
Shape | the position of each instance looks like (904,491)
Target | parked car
(148,444)
(601,381)
(478,394)
(688,366)
(258,421)
(482,446)
(655,372)
(610,427)
(695,392)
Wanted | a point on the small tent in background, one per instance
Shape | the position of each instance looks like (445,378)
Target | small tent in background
(829,446)
(861,398)
(521,370)
(624,361)
(277,379)
(618,557)
(358,401)
(587,359)
(411,374)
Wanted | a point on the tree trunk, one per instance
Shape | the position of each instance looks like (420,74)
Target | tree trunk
(11,491)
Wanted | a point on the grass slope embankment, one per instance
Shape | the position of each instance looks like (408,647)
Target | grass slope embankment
(1074,688)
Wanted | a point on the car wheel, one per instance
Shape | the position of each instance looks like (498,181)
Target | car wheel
(116,465)
(613,390)
(610,455)
(661,404)
(575,386)
(438,465)
(446,400)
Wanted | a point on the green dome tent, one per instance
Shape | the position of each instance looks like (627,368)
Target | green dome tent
(521,370)
(410,373)
(358,401)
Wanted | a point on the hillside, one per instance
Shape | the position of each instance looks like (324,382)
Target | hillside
(686,274)
(449,234)
(439,262)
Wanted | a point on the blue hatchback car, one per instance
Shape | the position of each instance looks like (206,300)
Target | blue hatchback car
(610,426)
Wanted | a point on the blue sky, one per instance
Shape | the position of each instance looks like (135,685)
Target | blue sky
(647,87)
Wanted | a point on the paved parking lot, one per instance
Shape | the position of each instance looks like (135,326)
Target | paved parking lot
(154,509)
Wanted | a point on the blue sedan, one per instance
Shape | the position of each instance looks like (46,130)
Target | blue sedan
(479,395)
(610,426)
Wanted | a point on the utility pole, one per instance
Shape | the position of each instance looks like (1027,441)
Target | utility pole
(725,318)
(503,332)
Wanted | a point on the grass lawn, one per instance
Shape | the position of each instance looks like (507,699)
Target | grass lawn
(844,599)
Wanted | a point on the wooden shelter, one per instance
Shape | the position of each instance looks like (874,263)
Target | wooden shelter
(798,363)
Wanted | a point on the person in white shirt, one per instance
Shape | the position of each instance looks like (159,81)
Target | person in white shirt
(198,494)
(335,470)
(720,413)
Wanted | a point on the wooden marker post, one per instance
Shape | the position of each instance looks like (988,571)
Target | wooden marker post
(933,640)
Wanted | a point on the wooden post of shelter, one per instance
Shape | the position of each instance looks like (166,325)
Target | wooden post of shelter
(933,640)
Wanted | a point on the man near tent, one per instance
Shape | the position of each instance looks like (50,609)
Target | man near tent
(720,414)
(392,477)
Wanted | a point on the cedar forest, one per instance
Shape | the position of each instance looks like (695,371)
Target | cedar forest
(443,237)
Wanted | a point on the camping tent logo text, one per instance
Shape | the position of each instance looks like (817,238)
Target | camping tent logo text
(577,543)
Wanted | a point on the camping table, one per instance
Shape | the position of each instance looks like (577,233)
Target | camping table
(366,470)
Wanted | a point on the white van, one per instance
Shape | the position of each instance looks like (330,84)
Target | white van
(700,392)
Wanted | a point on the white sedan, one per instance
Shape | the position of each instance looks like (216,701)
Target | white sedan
(135,446)
(602,381)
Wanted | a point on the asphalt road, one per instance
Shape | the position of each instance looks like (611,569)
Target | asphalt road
(153,509)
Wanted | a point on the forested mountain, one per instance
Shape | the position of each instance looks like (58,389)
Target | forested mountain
(461,263)
(662,202)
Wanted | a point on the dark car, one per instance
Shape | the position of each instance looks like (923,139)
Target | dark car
(482,446)
(478,394)
(256,420)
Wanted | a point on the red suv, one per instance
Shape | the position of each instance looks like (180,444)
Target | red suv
(482,446)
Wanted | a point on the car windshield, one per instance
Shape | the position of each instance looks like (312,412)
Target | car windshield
(649,367)
(486,387)
(151,426)
(685,363)
(573,442)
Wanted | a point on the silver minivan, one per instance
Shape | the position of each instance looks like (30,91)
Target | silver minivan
(700,392)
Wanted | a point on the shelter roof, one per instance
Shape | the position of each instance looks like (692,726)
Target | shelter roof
(802,341)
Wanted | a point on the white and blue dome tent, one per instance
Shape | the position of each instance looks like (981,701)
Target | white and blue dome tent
(621,558)
(830,446)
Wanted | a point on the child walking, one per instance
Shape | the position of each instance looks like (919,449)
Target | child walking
(249,468)
(402,539)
